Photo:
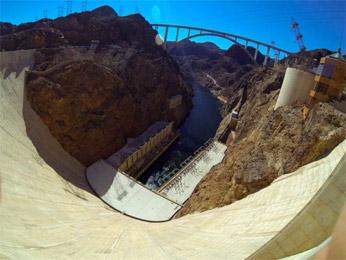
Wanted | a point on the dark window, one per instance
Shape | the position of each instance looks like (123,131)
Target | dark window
(325,70)
(322,88)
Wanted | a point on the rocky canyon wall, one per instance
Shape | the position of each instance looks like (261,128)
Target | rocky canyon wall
(98,79)
(267,143)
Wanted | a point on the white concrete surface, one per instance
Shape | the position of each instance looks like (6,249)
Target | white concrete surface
(128,196)
(48,211)
(311,253)
(295,87)
(311,226)
(183,184)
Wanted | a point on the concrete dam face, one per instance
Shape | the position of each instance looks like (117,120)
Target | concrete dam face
(48,211)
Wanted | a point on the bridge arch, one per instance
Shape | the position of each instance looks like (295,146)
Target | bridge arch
(232,37)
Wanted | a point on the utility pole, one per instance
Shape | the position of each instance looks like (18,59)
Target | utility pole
(60,11)
(299,36)
(84,5)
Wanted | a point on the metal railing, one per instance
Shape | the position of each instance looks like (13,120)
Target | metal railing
(188,165)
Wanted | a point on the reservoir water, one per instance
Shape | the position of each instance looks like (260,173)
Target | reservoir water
(198,127)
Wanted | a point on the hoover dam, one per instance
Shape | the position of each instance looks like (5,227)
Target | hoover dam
(48,210)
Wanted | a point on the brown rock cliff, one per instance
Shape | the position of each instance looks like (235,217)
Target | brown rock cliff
(93,99)
(268,144)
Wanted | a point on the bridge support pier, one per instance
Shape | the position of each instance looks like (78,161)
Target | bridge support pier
(286,61)
(277,57)
(256,53)
(177,35)
(266,57)
(165,40)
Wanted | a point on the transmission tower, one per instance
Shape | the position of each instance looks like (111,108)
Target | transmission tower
(44,13)
(137,10)
(84,5)
(60,11)
(276,53)
(68,7)
(121,10)
(299,36)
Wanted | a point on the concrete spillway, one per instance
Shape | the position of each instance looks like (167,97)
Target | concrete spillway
(129,196)
(48,211)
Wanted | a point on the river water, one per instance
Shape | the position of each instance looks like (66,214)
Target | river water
(198,127)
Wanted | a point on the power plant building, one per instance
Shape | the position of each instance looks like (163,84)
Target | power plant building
(329,80)
(139,153)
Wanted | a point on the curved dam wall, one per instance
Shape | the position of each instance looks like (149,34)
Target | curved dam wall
(48,211)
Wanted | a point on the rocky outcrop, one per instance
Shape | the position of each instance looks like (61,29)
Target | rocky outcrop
(6,28)
(33,38)
(306,60)
(79,29)
(267,143)
(241,57)
(202,50)
(210,66)
(93,95)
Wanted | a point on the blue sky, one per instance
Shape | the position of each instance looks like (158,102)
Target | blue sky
(321,22)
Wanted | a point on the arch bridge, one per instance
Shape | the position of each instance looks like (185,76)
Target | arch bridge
(241,41)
